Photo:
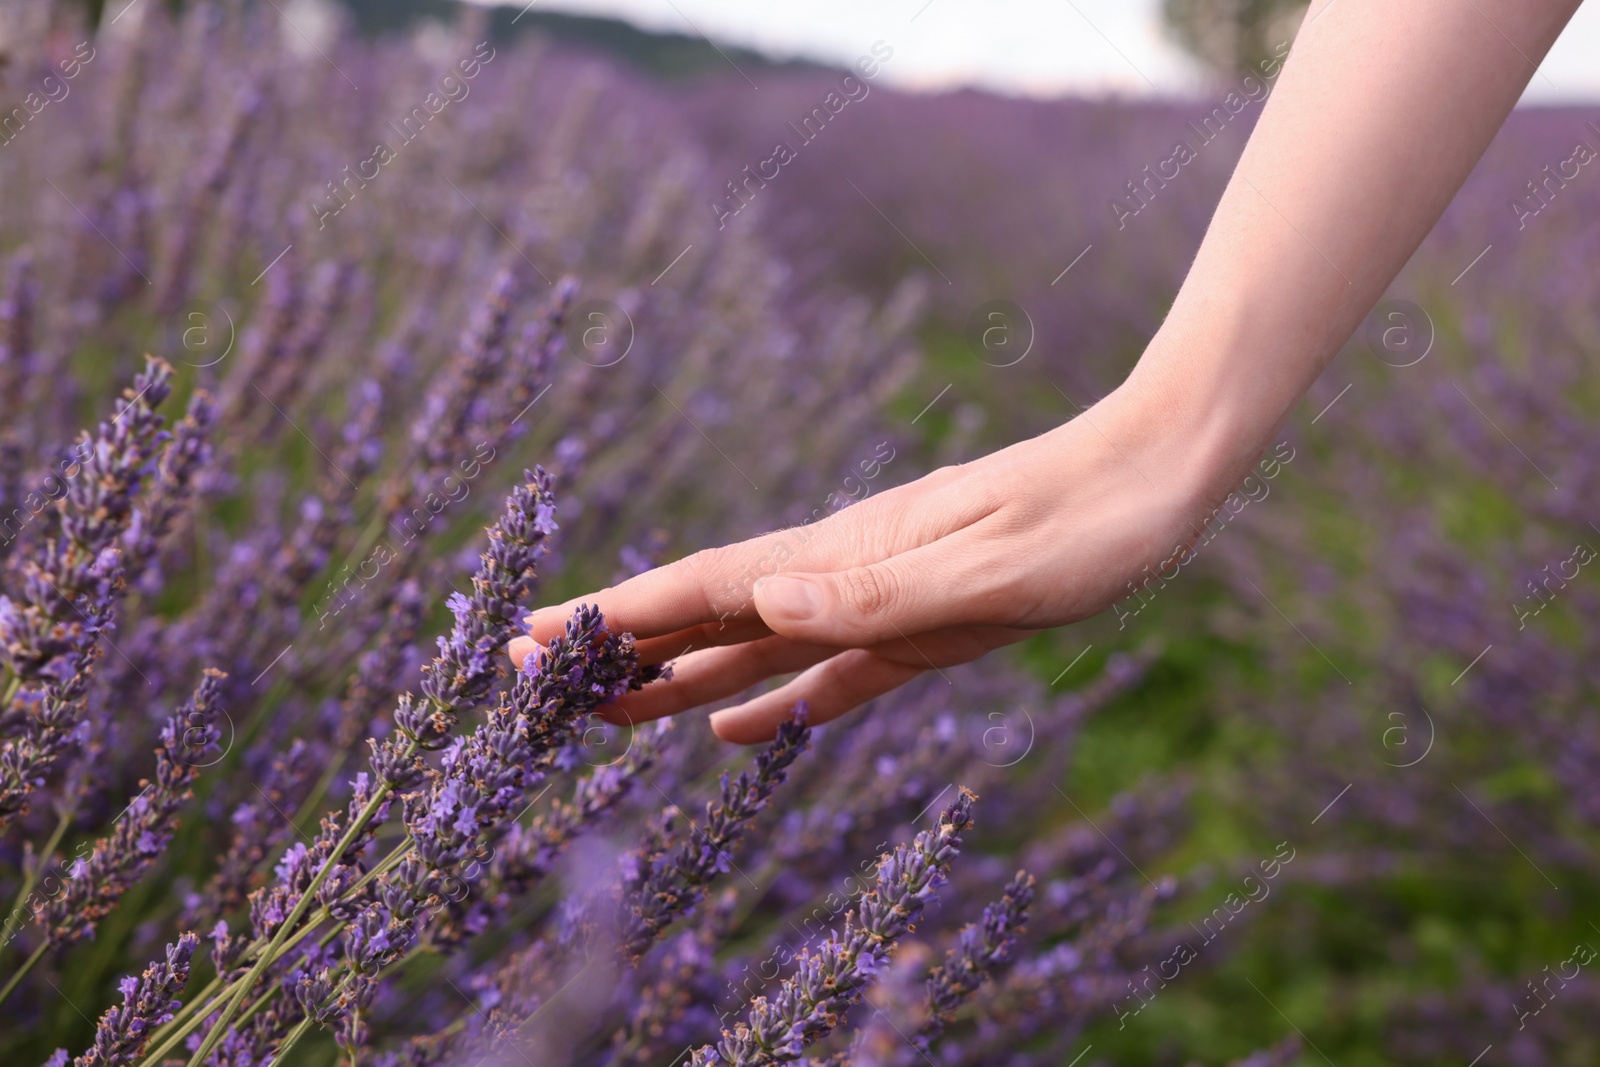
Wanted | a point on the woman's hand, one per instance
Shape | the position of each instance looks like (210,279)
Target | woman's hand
(923,576)
(1354,158)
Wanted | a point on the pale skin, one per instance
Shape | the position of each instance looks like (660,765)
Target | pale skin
(1379,113)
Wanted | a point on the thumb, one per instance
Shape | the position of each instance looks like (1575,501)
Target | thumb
(865,605)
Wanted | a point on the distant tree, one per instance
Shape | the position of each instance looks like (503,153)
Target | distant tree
(1233,36)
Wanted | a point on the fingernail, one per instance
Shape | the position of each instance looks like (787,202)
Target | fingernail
(794,598)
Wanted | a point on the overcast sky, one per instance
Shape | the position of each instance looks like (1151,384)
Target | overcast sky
(1041,47)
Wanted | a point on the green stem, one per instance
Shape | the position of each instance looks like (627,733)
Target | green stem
(31,877)
(183,1022)
(292,1040)
(22,971)
(196,1011)
(270,953)
(320,790)
(192,1014)
(261,1002)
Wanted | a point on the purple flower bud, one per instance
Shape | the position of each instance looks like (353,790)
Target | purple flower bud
(143,830)
(658,888)
(810,1003)
(982,948)
(147,1001)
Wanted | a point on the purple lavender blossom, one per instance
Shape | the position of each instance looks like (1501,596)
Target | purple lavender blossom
(662,884)
(484,779)
(271,905)
(49,637)
(147,1001)
(214,172)
(811,1002)
(265,343)
(673,1005)
(142,833)
(532,355)
(258,830)
(983,947)
(182,462)
(487,770)
(459,677)
(68,590)
(524,854)
(443,433)
(378,667)
(325,514)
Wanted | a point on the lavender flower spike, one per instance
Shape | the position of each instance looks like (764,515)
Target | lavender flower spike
(145,828)
(811,1002)
(484,778)
(983,947)
(71,586)
(459,676)
(668,885)
(185,457)
(147,1002)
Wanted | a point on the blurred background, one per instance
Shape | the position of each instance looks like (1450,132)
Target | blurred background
(1384,663)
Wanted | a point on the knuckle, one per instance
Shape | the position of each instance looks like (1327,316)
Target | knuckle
(709,568)
(987,496)
(946,476)
(868,590)
(704,563)
(705,635)
(838,676)
(740,563)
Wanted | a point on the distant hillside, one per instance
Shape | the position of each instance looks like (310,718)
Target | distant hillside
(666,55)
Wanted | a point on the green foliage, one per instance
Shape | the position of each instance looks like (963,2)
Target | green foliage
(1233,36)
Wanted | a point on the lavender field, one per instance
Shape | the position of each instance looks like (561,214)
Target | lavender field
(319,367)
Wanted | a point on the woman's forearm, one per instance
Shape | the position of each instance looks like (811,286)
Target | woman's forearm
(1381,111)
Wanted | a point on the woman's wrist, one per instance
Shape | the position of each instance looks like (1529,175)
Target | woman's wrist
(1210,413)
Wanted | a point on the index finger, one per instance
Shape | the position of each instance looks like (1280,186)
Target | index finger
(707,587)
(714,585)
